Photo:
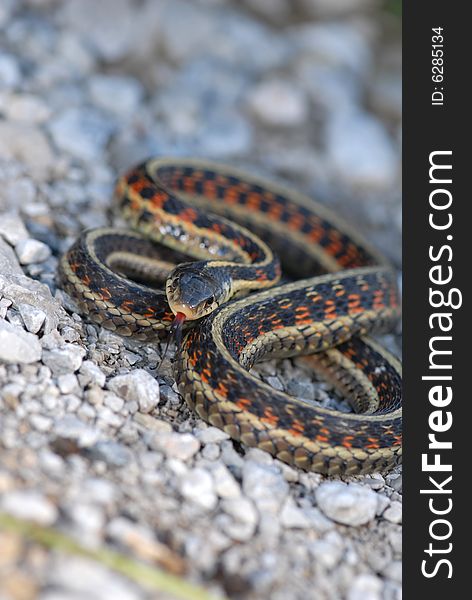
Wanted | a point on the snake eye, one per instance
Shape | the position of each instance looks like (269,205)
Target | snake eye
(210,301)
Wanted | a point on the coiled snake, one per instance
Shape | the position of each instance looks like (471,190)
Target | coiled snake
(186,205)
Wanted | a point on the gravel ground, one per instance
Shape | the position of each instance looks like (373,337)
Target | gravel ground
(95,445)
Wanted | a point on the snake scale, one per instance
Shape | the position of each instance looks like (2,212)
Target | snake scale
(212,234)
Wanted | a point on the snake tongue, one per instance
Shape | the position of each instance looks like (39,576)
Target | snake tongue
(176,328)
(175,334)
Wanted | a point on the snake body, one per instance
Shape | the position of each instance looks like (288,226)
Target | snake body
(344,290)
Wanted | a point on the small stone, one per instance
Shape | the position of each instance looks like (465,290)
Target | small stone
(29,505)
(81,132)
(264,484)
(68,383)
(177,445)
(116,93)
(41,423)
(210,435)
(393,512)
(365,587)
(301,389)
(211,452)
(293,517)
(18,346)
(113,402)
(70,427)
(275,383)
(328,550)
(62,361)
(33,318)
(394,480)
(226,485)
(112,453)
(243,518)
(394,571)
(197,486)
(346,504)
(279,103)
(138,385)
(26,108)
(90,373)
(32,251)
(12,228)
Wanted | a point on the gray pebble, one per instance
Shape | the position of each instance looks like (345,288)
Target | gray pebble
(64,360)
(90,373)
(138,385)
(12,228)
(265,485)
(32,251)
(33,317)
(18,346)
(393,513)
(197,486)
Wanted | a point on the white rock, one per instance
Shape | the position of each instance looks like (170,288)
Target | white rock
(197,486)
(70,427)
(328,550)
(138,385)
(292,517)
(12,228)
(265,485)
(210,435)
(32,251)
(64,360)
(18,346)
(365,587)
(113,402)
(115,93)
(394,512)
(90,373)
(33,317)
(347,504)
(226,485)
(68,383)
(29,505)
(279,103)
(360,150)
(177,445)
(27,108)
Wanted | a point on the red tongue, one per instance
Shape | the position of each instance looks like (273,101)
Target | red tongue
(175,334)
(178,321)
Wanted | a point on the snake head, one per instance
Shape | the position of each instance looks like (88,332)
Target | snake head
(196,290)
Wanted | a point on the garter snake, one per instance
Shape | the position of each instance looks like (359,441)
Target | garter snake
(343,291)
